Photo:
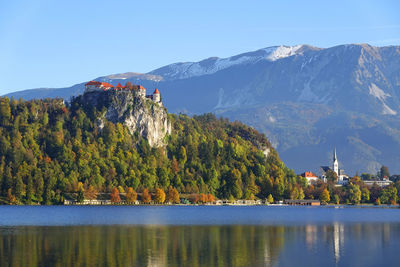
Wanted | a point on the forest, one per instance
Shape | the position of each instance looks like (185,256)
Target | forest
(49,149)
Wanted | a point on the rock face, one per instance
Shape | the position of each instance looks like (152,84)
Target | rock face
(141,115)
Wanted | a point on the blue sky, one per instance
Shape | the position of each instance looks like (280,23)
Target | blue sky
(47,43)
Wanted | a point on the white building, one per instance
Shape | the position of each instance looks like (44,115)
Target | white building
(343,179)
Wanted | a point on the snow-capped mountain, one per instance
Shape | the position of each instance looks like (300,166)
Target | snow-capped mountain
(306,99)
(214,64)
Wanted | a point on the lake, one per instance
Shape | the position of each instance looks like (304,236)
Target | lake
(198,236)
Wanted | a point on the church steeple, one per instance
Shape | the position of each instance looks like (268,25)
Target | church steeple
(335,162)
(334,155)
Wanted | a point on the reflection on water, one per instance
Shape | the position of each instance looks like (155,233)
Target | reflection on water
(312,245)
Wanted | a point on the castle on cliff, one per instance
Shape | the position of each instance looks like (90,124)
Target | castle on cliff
(94,86)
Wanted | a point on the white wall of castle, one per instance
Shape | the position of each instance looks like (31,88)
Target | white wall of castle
(156,98)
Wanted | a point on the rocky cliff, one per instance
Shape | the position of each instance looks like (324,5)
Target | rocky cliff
(141,115)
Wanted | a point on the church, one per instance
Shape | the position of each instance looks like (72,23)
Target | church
(343,179)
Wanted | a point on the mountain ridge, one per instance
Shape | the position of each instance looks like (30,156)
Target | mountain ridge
(340,95)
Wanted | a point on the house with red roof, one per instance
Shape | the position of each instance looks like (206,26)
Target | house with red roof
(310,176)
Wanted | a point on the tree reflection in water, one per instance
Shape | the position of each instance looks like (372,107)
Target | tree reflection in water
(192,245)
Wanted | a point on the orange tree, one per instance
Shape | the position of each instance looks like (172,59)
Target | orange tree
(159,196)
(115,198)
(173,195)
(146,197)
(131,195)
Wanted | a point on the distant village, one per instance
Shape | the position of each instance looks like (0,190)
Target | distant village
(340,176)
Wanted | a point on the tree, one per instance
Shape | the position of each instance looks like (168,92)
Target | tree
(91,193)
(384,172)
(331,176)
(365,194)
(203,198)
(336,199)
(210,198)
(270,199)
(29,191)
(173,195)
(159,196)
(146,197)
(389,195)
(80,196)
(325,197)
(115,197)
(131,195)
(11,198)
(354,193)
(5,110)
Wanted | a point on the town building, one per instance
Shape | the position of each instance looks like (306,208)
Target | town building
(94,86)
(382,183)
(343,178)
(310,176)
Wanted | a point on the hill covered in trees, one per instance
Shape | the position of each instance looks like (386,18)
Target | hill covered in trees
(49,149)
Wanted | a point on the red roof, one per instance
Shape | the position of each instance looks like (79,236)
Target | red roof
(141,87)
(309,174)
(156,91)
(119,86)
(99,84)
(107,85)
(93,83)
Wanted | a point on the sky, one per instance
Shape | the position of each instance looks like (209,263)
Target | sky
(46,43)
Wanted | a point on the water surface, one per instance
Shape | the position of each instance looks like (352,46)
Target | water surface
(199,236)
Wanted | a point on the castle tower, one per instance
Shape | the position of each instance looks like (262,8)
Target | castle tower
(156,96)
(142,91)
(335,163)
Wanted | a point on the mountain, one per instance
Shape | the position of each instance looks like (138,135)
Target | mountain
(305,99)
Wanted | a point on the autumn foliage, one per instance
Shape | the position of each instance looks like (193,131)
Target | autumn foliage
(115,197)
(131,195)
(173,196)
(146,197)
(159,196)
(91,193)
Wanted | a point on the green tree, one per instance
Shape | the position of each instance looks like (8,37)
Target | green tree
(354,193)
(325,197)
(384,172)
(336,199)
(80,196)
(5,110)
(365,194)
(331,176)
(389,195)
(270,199)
